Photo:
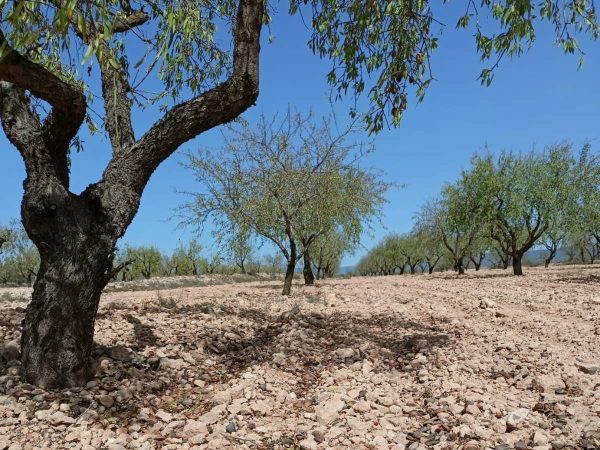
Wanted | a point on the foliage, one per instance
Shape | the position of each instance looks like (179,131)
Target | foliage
(187,259)
(327,252)
(19,259)
(288,180)
(146,261)
(519,196)
(381,48)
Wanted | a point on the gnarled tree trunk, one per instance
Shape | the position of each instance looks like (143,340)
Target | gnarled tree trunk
(517,264)
(291,268)
(76,234)
(309,277)
(77,245)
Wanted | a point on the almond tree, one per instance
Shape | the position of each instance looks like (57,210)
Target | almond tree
(518,196)
(381,48)
(287,180)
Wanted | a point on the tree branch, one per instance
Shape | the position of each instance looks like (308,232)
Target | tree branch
(115,86)
(21,125)
(67,100)
(187,120)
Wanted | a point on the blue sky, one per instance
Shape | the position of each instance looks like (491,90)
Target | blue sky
(536,100)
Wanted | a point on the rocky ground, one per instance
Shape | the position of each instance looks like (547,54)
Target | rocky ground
(485,361)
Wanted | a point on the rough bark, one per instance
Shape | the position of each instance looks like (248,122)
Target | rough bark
(309,277)
(76,254)
(517,264)
(76,234)
(291,268)
(551,255)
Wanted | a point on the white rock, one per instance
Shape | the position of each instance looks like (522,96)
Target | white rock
(59,418)
(328,411)
(212,416)
(514,417)
(194,428)
(164,415)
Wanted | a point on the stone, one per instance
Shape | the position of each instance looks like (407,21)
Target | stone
(515,417)
(308,444)
(344,353)
(123,395)
(119,353)
(547,383)
(106,400)
(211,417)
(328,411)
(231,427)
(473,410)
(486,303)
(540,438)
(168,363)
(10,350)
(587,367)
(4,443)
(163,415)
(194,428)
(318,436)
(362,406)
(60,418)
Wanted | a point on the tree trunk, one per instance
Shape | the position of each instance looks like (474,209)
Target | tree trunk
(58,329)
(459,267)
(309,277)
(291,268)
(517,264)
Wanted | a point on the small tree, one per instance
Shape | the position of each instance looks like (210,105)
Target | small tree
(327,254)
(452,219)
(146,261)
(289,181)
(187,259)
(240,247)
(19,259)
(518,195)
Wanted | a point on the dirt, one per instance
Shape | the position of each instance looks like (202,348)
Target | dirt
(484,361)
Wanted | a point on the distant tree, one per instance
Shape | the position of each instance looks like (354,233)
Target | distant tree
(187,259)
(240,248)
(288,180)
(275,263)
(517,196)
(213,265)
(429,235)
(411,248)
(146,261)
(480,248)
(584,212)
(327,254)
(19,259)
(453,219)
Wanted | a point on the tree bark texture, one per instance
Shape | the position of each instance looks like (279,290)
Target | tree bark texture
(76,234)
(309,277)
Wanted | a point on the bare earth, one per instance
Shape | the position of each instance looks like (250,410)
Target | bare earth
(487,361)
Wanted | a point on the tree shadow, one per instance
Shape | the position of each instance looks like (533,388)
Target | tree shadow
(143,333)
(236,338)
(586,279)
(474,275)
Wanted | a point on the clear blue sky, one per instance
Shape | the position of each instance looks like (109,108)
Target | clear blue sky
(538,99)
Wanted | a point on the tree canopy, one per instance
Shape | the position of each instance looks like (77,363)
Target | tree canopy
(288,180)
